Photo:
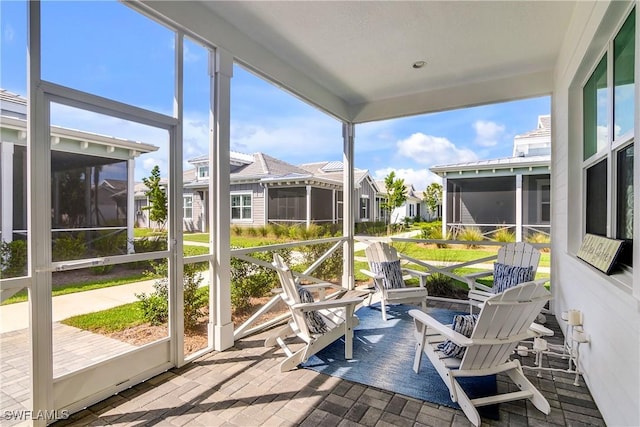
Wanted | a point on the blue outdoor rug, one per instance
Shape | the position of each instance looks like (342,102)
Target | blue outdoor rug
(383,355)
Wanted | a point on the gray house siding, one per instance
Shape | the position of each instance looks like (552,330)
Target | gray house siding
(368,193)
(257,203)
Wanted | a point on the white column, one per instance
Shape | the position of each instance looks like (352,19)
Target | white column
(348,222)
(131,205)
(519,207)
(39,226)
(308,206)
(221,210)
(6,168)
(444,208)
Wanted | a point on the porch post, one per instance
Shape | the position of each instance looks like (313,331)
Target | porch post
(7,191)
(348,227)
(39,201)
(131,213)
(265,196)
(308,206)
(519,207)
(219,205)
(444,208)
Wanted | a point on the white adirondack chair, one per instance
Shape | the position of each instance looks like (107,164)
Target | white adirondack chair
(380,254)
(519,254)
(337,314)
(505,319)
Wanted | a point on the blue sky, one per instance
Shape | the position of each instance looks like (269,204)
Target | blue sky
(107,49)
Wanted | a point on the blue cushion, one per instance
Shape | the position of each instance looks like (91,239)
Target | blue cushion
(391,272)
(463,324)
(507,276)
(315,322)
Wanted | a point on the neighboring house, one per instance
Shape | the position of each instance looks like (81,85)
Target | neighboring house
(90,185)
(512,192)
(414,207)
(265,190)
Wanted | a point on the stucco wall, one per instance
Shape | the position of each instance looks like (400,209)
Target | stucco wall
(611,360)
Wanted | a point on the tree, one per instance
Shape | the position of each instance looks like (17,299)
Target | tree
(433,196)
(396,196)
(157,198)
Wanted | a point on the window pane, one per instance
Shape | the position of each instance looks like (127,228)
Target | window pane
(246,213)
(597,199)
(623,66)
(235,213)
(235,200)
(625,194)
(246,200)
(595,110)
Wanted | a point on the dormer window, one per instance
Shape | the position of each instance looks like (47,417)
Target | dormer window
(203,172)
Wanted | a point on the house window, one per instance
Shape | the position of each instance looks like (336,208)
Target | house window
(364,207)
(203,172)
(241,207)
(187,206)
(544,201)
(608,118)
(411,210)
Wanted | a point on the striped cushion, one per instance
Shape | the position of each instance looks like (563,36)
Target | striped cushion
(315,322)
(507,276)
(391,272)
(463,324)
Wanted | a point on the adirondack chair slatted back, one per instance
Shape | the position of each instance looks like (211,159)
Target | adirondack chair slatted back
(379,252)
(520,254)
(505,315)
(290,293)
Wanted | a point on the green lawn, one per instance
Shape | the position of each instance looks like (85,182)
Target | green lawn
(110,320)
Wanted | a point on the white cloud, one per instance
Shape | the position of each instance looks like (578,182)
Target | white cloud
(299,140)
(420,178)
(432,150)
(488,133)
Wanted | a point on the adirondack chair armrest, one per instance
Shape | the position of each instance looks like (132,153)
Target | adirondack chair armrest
(444,330)
(478,295)
(371,274)
(417,274)
(538,330)
(471,280)
(320,305)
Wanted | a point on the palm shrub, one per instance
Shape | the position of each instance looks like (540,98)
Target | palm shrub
(252,232)
(504,235)
(237,230)
(471,234)
(263,231)
(539,238)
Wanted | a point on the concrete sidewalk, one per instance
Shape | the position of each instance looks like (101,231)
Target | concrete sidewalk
(14,317)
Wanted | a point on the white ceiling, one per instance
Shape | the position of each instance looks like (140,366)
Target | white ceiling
(354,58)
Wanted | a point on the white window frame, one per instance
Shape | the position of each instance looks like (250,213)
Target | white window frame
(540,184)
(242,206)
(613,145)
(200,174)
(186,197)
(365,207)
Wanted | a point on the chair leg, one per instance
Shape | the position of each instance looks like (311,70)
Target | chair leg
(383,306)
(537,399)
(419,348)
(465,404)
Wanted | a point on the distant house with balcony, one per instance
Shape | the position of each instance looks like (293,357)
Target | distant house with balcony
(508,193)
(414,207)
(265,190)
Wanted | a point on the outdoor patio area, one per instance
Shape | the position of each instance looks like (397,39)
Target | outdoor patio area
(243,386)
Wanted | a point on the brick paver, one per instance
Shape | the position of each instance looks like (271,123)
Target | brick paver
(243,387)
